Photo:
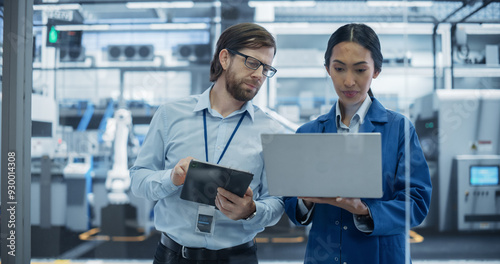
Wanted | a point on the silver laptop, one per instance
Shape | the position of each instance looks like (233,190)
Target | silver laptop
(324,164)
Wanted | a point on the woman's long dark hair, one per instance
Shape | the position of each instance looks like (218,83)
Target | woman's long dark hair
(360,34)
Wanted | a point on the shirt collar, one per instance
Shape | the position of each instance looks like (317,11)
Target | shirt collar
(361,113)
(204,103)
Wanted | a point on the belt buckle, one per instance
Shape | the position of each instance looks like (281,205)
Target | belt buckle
(183,252)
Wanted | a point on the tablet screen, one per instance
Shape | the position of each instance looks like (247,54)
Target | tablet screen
(203,179)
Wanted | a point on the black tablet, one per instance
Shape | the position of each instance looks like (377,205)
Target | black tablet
(203,179)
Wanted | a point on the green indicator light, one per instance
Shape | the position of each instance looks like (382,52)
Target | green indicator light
(53,35)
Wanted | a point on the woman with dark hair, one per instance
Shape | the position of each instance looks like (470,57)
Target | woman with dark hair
(358,230)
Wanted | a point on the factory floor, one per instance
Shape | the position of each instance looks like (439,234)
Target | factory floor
(274,246)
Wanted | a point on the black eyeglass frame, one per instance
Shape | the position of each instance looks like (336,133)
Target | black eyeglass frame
(270,69)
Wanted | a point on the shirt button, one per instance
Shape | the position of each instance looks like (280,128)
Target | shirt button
(336,259)
(345,227)
(337,222)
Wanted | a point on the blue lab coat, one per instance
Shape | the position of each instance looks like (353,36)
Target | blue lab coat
(334,237)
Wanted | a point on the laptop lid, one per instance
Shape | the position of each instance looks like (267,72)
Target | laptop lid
(323,164)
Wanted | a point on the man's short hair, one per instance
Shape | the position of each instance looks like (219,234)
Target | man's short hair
(237,37)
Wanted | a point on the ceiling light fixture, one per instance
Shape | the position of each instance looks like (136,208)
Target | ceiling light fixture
(281,3)
(147,5)
(490,25)
(178,26)
(54,7)
(400,3)
(103,27)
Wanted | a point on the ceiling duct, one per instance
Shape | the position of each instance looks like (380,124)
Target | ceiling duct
(71,54)
(194,52)
(130,52)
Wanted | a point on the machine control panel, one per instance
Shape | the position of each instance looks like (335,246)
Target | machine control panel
(478,196)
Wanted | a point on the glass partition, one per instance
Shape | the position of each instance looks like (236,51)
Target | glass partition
(96,63)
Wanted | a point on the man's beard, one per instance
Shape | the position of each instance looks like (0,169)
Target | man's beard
(234,88)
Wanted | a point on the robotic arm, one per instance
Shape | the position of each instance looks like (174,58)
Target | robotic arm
(118,179)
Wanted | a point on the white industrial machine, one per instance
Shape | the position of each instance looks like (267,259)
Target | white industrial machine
(48,153)
(44,115)
(459,131)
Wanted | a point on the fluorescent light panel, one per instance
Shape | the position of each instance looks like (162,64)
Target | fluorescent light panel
(292,25)
(281,3)
(106,27)
(53,7)
(146,5)
(400,3)
(82,27)
(485,25)
(178,26)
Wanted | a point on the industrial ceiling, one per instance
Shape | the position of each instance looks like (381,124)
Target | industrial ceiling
(146,12)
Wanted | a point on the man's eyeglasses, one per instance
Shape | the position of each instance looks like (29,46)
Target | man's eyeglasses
(254,64)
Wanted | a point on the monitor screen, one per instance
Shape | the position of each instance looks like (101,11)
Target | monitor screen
(484,175)
(41,129)
(78,160)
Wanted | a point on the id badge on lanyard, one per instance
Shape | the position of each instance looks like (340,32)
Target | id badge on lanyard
(205,220)
(206,213)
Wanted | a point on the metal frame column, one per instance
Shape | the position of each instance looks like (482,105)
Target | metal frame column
(16,132)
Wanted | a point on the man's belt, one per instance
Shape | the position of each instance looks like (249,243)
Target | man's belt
(203,253)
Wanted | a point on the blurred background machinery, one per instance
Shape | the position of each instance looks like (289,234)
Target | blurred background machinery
(101,69)
(460,135)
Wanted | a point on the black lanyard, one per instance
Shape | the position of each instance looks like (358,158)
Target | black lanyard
(228,142)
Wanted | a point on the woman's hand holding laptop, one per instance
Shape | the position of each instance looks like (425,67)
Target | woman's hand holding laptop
(353,205)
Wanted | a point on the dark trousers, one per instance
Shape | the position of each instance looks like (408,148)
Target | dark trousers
(164,255)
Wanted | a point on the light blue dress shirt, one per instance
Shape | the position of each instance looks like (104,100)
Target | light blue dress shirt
(176,132)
